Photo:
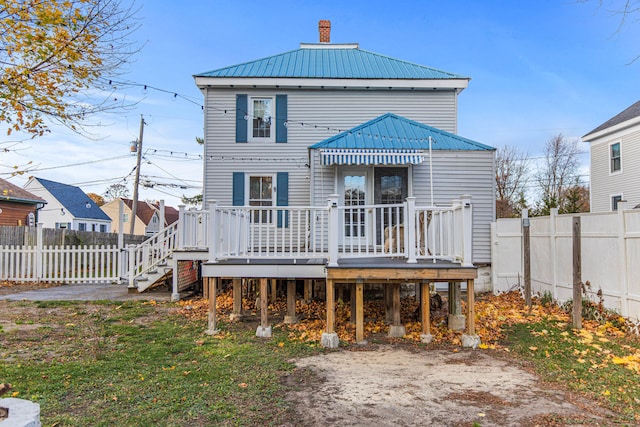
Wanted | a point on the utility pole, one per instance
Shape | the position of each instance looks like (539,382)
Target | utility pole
(134,203)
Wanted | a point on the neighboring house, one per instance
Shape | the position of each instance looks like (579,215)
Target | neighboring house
(68,207)
(615,161)
(294,128)
(17,205)
(147,216)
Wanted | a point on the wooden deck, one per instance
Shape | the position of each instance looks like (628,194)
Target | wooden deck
(355,273)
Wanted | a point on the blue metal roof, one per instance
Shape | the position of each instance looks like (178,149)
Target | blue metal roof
(334,63)
(393,132)
(74,200)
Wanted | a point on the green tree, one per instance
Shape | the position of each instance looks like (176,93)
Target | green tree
(56,58)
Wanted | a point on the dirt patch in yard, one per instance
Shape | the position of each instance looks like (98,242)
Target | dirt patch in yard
(389,385)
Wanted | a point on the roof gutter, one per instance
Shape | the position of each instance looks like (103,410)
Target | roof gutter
(322,83)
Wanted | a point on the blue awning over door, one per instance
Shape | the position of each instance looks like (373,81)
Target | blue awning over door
(368,157)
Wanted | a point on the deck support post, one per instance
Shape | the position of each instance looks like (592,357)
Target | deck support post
(359,312)
(330,338)
(456,318)
(212,284)
(237,300)
(396,330)
(352,302)
(388,304)
(470,339)
(308,289)
(274,290)
(264,330)
(175,292)
(425,305)
(291,302)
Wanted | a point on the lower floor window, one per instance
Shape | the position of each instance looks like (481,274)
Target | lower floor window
(82,226)
(614,201)
(103,228)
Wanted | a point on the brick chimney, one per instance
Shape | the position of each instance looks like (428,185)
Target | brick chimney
(324,27)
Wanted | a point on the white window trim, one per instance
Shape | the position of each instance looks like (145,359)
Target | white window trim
(611,196)
(272,136)
(619,171)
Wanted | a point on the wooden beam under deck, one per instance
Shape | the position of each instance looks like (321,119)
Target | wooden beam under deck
(381,275)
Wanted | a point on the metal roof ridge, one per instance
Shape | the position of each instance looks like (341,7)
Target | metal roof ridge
(329,45)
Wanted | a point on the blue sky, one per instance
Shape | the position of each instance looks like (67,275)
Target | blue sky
(537,68)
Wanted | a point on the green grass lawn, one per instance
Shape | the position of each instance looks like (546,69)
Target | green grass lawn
(142,364)
(135,364)
(601,365)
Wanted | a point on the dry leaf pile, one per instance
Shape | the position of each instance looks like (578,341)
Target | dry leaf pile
(493,313)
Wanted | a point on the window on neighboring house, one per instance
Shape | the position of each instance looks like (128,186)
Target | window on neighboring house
(63,225)
(154,219)
(261,194)
(616,165)
(82,226)
(614,201)
(261,118)
(103,228)
(94,227)
(125,217)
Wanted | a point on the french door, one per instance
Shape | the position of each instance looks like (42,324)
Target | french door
(353,189)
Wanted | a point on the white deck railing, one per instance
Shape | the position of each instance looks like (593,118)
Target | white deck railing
(332,232)
(153,252)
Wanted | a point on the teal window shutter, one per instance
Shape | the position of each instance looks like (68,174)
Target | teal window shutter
(282,197)
(241,123)
(238,189)
(281,118)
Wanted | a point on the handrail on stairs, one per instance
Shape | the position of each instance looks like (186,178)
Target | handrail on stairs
(150,254)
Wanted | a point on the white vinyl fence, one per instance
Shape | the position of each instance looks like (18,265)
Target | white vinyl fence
(69,264)
(610,252)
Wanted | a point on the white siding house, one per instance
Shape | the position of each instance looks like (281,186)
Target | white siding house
(263,119)
(615,161)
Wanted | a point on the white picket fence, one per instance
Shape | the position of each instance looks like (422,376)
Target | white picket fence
(68,264)
(610,252)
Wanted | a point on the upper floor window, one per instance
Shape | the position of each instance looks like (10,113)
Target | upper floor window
(261,118)
(125,217)
(614,154)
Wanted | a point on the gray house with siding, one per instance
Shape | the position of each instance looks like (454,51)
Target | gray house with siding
(615,161)
(292,129)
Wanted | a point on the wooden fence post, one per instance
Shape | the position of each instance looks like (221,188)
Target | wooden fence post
(577,275)
(526,247)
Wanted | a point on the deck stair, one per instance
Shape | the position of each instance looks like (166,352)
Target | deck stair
(150,261)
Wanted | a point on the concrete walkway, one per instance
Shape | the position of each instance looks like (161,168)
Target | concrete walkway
(88,292)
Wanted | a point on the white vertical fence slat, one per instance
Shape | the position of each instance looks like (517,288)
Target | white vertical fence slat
(610,250)
(70,264)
